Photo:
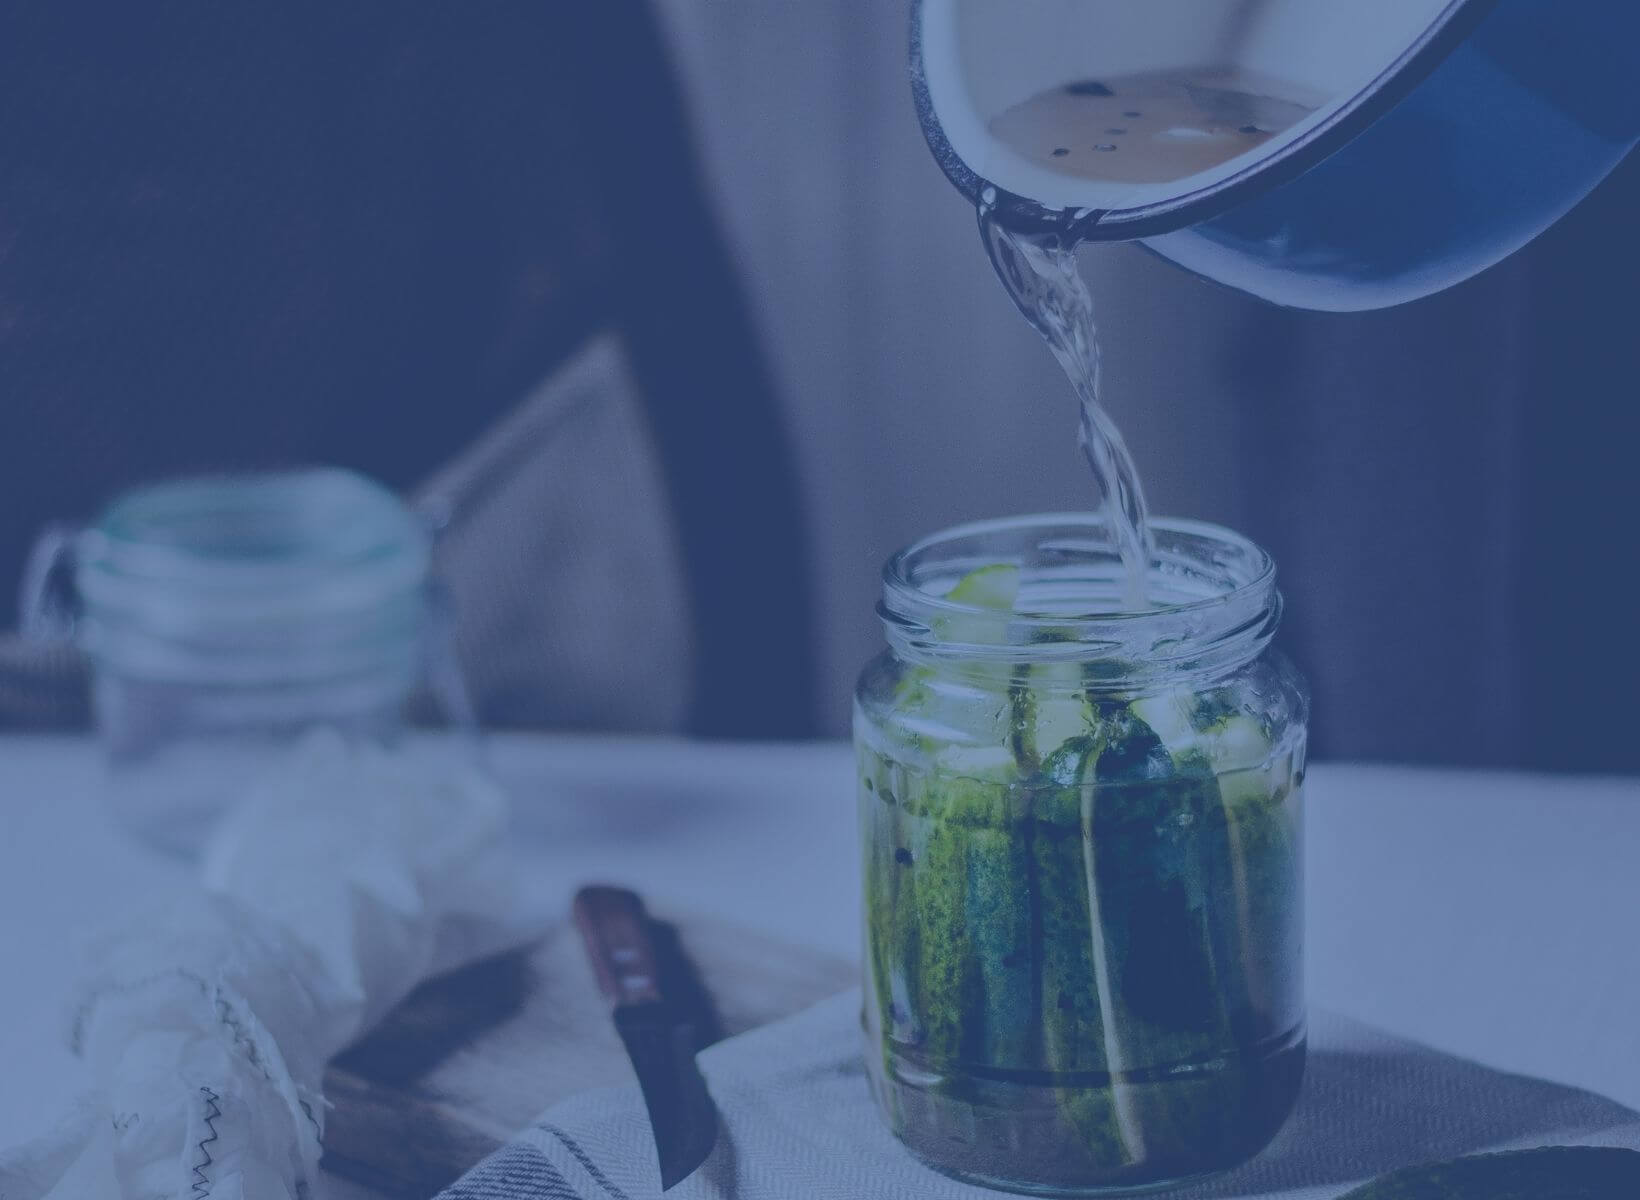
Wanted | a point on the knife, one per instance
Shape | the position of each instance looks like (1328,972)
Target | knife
(659,1036)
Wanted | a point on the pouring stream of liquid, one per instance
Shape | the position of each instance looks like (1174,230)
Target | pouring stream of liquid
(1040,275)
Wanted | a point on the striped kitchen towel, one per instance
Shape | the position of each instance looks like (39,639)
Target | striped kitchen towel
(797,1121)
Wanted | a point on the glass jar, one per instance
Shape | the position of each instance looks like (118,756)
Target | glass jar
(226,617)
(1082,852)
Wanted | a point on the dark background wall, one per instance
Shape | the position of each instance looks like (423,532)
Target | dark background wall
(366,233)
(240,237)
(1449,487)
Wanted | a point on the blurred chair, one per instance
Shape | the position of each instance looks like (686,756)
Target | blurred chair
(462,248)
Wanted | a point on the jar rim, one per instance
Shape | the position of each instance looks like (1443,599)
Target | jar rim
(267,538)
(272,573)
(1213,592)
(306,518)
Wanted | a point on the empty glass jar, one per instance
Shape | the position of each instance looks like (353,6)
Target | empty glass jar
(226,617)
(1082,848)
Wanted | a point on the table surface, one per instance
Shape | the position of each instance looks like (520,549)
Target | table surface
(1489,914)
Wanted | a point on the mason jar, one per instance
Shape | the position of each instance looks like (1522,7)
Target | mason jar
(1082,852)
(225,618)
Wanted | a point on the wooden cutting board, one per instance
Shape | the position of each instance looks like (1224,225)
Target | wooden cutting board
(472,1057)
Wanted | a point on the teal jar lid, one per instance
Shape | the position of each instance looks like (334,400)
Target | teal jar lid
(306,573)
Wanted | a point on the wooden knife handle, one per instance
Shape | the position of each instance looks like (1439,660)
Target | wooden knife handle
(615,928)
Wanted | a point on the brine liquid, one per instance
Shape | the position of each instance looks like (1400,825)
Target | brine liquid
(1154,127)
(1073,990)
(1040,275)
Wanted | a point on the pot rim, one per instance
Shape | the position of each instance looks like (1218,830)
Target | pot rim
(1416,64)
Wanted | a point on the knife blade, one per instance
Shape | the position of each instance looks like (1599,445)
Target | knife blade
(659,1036)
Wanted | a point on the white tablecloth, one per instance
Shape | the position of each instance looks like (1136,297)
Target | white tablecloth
(1490,914)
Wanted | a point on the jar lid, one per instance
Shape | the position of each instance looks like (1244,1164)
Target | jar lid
(301,565)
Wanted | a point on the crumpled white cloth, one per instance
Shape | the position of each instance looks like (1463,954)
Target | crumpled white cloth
(346,875)
(796,1122)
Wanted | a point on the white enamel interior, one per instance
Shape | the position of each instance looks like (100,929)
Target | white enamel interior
(982,57)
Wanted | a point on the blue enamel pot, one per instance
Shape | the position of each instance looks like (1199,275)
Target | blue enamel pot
(1438,136)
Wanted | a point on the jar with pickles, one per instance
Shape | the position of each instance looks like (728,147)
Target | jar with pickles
(1082,848)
